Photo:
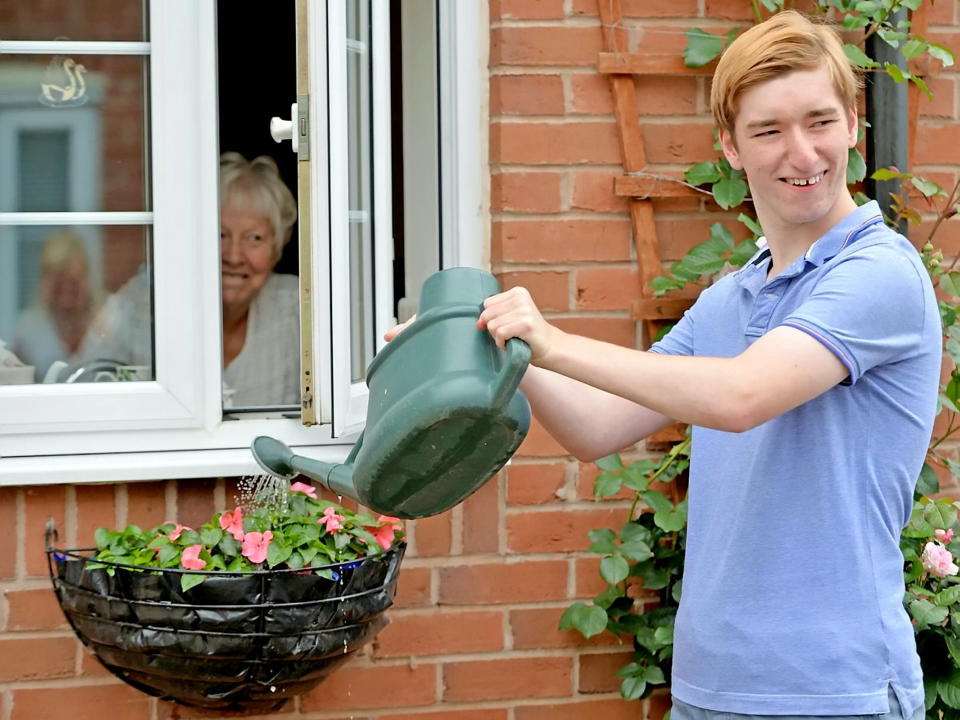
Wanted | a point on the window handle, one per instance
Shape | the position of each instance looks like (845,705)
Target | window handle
(296,129)
(281,129)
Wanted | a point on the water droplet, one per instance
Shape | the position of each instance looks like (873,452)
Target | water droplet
(273,688)
(344,646)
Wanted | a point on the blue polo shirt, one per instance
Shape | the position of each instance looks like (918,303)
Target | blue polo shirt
(793,580)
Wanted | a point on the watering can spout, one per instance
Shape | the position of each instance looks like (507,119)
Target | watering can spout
(277,459)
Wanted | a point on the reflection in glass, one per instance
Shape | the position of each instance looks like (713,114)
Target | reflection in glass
(116,20)
(75,304)
(73,133)
(359,142)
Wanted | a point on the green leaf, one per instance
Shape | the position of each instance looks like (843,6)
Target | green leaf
(662,284)
(614,569)
(189,580)
(590,620)
(858,57)
(277,553)
(743,252)
(210,536)
(603,540)
(752,225)
(654,675)
(867,7)
(892,38)
(657,501)
(188,538)
(664,635)
(913,47)
(941,53)
(632,688)
(887,174)
(606,484)
(167,553)
(927,483)
(948,597)
(729,192)
(653,578)
(672,520)
(898,74)
(856,166)
(855,22)
(610,463)
(926,613)
(702,174)
(949,690)
(702,47)
(953,647)
(721,236)
(940,514)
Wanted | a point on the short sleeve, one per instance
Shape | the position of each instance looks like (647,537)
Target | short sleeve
(679,340)
(868,308)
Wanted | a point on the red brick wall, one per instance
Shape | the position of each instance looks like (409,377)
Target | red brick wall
(474,631)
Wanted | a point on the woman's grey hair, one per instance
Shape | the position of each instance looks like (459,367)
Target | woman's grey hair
(255,186)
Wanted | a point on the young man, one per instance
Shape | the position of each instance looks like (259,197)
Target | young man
(810,378)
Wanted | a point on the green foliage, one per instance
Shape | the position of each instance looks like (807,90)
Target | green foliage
(302,532)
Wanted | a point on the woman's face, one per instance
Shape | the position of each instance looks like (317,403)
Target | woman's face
(248,255)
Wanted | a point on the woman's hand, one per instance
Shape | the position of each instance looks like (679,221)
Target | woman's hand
(397,329)
(513,314)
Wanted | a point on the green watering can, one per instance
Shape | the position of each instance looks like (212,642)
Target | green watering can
(444,413)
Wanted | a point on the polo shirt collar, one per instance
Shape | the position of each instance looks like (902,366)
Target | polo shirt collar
(753,275)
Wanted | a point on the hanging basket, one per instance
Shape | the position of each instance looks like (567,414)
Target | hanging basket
(238,640)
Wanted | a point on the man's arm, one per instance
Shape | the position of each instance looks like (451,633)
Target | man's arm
(781,370)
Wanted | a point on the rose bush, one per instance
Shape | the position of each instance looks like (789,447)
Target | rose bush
(301,532)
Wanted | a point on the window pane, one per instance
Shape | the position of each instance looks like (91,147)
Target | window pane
(76,304)
(118,20)
(73,133)
(360,185)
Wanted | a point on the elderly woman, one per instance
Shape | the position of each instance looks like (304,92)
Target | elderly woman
(261,327)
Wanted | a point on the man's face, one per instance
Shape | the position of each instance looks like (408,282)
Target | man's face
(791,137)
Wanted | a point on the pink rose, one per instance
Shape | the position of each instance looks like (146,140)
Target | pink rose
(233,523)
(190,558)
(255,546)
(938,561)
(331,520)
(944,536)
(307,490)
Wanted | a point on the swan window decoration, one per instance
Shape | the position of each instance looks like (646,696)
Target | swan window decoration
(64,86)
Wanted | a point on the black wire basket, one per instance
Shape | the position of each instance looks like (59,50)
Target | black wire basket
(238,640)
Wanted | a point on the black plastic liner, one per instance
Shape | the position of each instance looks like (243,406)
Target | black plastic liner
(238,640)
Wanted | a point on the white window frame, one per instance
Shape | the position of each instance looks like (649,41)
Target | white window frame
(184,433)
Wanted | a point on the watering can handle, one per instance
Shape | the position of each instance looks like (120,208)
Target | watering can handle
(507,380)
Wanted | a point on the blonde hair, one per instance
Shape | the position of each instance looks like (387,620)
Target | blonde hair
(255,185)
(786,42)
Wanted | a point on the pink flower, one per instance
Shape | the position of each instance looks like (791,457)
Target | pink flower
(386,529)
(331,520)
(190,558)
(938,561)
(944,536)
(233,523)
(255,546)
(178,530)
(307,490)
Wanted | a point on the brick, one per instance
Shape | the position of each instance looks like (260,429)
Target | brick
(90,667)
(383,686)
(146,504)
(587,580)
(607,288)
(440,634)
(729,10)
(643,8)
(24,659)
(195,504)
(675,236)
(544,46)
(529,581)
(481,519)
(526,95)
(591,94)
(526,192)
(173,711)
(82,702)
(8,519)
(550,531)
(526,9)
(549,289)
(30,610)
(658,704)
(466,714)
(607,709)
(571,143)
(944,98)
(413,587)
(942,13)
(535,484)
(432,535)
(536,629)
(562,240)
(505,679)
(96,508)
(678,142)
(539,443)
(593,190)
(619,331)
(42,503)
(933,140)
(598,671)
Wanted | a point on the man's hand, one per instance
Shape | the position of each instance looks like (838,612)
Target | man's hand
(513,314)
(397,329)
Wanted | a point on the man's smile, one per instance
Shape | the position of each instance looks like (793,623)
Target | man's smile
(803,182)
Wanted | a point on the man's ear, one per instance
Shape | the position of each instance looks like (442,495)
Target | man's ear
(729,146)
(853,127)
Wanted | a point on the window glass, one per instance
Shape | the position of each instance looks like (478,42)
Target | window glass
(117,20)
(73,133)
(359,88)
(75,303)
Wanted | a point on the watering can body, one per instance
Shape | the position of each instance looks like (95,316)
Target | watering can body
(444,413)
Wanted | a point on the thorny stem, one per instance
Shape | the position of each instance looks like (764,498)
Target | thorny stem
(672,456)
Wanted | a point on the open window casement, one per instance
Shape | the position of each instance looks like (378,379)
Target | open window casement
(148,218)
